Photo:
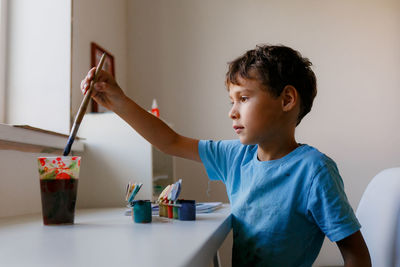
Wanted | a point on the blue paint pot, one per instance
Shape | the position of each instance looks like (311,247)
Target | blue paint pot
(187,210)
(142,211)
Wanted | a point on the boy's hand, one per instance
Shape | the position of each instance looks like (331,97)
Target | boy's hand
(106,91)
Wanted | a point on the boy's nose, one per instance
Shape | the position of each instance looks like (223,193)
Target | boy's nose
(233,113)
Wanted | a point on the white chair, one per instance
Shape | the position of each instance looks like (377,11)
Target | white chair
(379,215)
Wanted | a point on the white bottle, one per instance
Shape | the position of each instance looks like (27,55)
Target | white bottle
(154,108)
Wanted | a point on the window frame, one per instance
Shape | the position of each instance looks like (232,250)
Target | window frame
(3,58)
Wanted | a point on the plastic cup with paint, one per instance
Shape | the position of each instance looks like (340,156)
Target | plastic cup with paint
(58,187)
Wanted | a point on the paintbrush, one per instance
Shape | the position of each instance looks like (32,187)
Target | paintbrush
(82,108)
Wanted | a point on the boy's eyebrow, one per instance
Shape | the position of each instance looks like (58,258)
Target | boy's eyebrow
(245,90)
(238,93)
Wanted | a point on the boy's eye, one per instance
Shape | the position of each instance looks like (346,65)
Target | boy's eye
(244,98)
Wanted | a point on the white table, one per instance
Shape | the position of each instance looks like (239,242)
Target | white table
(106,237)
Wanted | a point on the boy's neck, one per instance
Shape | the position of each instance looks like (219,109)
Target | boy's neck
(277,149)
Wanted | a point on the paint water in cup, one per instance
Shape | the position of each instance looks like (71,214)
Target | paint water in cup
(58,188)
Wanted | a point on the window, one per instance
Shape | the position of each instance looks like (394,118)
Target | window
(38,64)
(35,62)
(3,60)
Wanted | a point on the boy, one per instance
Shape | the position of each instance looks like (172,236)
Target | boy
(285,196)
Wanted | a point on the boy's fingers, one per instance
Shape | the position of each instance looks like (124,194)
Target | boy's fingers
(99,86)
(86,81)
(91,72)
(94,93)
(102,76)
(84,86)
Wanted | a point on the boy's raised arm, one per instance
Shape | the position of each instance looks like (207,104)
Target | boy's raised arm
(157,132)
(107,93)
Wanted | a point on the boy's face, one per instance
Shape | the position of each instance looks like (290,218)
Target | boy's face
(257,116)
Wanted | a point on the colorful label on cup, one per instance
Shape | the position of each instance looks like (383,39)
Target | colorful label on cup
(59,167)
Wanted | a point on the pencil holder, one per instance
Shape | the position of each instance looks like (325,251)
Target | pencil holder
(142,211)
(187,210)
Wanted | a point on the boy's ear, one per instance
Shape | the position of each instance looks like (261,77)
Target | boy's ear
(289,98)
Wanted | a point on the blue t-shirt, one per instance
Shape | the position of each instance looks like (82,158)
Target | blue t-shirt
(281,209)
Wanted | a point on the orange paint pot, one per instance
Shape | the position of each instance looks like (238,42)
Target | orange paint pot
(170,210)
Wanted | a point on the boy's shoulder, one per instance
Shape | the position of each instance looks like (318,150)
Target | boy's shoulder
(311,155)
(227,146)
(305,154)
(318,164)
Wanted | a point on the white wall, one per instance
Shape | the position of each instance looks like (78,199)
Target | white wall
(114,155)
(38,70)
(105,23)
(19,187)
(103,175)
(178,52)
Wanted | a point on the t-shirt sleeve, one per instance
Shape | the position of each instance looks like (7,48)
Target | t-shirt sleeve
(328,205)
(215,156)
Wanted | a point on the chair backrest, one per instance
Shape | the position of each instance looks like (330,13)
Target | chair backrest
(379,215)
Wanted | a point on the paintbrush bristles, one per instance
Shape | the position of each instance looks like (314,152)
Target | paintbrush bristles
(83,107)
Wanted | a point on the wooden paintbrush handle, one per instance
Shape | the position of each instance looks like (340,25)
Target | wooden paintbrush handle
(82,108)
(86,98)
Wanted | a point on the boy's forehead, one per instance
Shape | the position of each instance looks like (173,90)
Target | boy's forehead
(244,84)
(237,88)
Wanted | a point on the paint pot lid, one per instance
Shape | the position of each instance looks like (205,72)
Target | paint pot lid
(187,201)
(140,201)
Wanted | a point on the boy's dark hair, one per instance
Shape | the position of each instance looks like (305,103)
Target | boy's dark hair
(276,66)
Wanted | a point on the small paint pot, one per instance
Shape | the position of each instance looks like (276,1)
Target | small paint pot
(169,210)
(162,212)
(159,209)
(142,211)
(187,210)
(175,209)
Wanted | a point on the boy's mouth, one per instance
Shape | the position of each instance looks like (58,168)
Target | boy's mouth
(238,129)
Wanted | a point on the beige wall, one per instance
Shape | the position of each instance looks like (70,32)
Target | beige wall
(19,187)
(114,156)
(105,23)
(177,53)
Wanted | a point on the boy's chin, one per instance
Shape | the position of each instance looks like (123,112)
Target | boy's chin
(245,141)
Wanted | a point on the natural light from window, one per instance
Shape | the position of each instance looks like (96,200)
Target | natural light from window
(38,64)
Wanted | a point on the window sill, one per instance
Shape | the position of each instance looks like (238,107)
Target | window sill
(29,139)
